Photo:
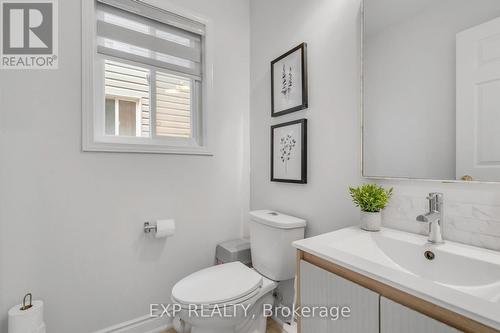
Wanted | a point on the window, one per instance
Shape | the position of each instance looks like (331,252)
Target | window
(148,84)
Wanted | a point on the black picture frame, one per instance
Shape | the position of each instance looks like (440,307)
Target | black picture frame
(303,152)
(305,98)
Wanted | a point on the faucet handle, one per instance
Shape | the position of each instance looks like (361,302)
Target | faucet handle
(435,196)
(435,202)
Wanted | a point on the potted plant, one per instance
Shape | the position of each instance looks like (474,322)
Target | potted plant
(372,199)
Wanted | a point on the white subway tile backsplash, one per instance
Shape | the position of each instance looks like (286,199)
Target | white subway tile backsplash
(489,242)
(472,216)
(483,212)
(459,209)
(462,223)
(489,228)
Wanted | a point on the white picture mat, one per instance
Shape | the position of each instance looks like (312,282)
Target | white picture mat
(291,169)
(294,97)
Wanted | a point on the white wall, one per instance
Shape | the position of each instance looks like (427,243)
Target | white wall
(70,222)
(332,29)
(410,87)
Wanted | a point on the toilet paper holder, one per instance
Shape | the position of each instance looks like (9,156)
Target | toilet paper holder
(27,306)
(148,228)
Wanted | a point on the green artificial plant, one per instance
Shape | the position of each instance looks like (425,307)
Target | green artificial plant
(371,198)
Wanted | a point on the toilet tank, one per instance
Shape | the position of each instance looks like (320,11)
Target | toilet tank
(271,237)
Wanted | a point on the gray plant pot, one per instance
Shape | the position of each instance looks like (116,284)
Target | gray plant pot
(371,221)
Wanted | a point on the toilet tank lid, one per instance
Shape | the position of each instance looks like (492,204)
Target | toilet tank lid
(276,219)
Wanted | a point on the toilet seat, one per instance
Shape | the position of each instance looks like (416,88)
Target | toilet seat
(231,283)
(210,306)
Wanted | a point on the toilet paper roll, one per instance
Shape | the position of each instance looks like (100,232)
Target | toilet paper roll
(165,228)
(26,321)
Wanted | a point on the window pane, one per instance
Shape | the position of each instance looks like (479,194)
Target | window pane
(130,85)
(110,116)
(173,105)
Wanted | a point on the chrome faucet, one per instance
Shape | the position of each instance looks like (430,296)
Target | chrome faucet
(434,217)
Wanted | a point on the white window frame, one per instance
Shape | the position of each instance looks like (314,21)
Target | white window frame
(93,95)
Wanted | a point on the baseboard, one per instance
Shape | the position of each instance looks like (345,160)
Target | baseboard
(145,324)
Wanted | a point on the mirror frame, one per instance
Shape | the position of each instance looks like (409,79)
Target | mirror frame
(362,107)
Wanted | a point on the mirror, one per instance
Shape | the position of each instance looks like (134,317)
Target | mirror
(431,89)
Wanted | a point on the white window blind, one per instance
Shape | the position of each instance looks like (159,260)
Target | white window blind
(135,31)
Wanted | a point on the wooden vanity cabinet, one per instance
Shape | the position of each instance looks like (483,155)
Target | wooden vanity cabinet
(375,307)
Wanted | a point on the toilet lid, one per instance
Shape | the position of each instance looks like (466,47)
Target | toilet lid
(217,284)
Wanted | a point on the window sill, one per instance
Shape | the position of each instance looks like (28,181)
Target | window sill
(145,148)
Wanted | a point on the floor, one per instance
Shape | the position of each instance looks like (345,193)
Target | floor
(272,327)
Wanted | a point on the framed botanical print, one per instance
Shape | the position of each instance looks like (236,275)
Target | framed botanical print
(289,82)
(289,152)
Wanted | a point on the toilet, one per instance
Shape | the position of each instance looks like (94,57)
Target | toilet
(229,298)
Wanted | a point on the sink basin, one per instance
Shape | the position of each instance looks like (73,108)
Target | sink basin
(462,278)
(469,270)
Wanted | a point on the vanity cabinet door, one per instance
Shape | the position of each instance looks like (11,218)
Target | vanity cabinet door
(322,288)
(396,318)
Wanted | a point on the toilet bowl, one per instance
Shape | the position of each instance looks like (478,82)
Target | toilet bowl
(230,298)
(224,298)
